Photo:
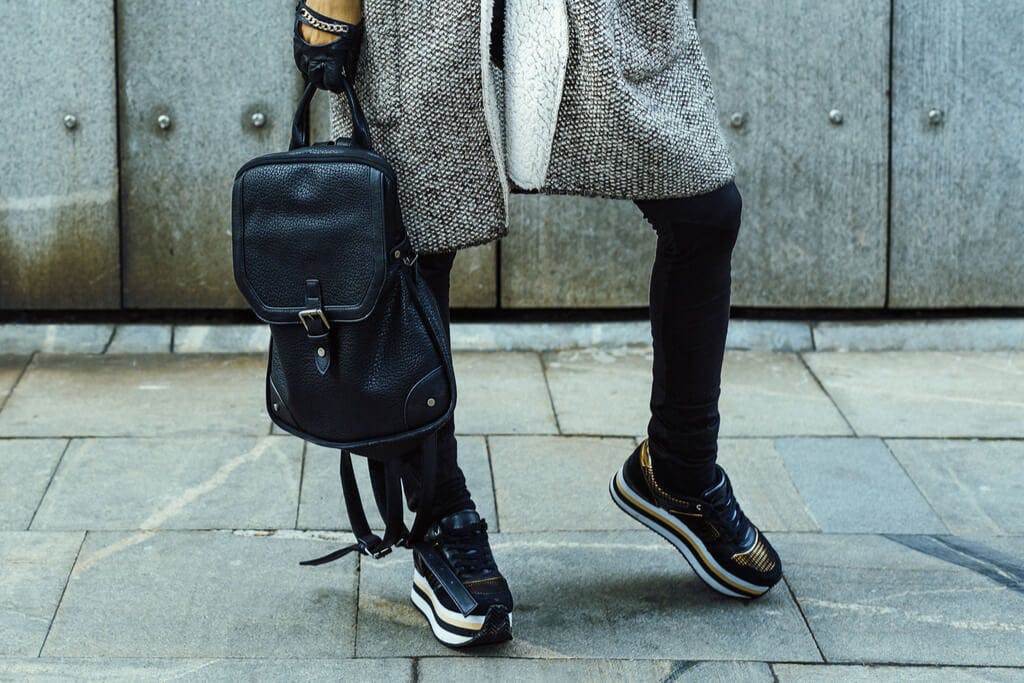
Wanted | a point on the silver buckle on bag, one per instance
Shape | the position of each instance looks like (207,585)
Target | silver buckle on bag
(312,313)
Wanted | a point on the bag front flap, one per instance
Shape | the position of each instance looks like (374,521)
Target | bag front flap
(310,214)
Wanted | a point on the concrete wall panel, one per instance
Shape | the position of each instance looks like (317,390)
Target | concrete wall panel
(814,191)
(568,252)
(958,178)
(58,185)
(475,277)
(209,73)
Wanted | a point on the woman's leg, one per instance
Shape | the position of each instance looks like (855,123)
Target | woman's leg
(689,307)
(455,537)
(450,494)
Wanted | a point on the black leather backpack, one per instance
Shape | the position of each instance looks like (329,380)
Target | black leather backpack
(358,357)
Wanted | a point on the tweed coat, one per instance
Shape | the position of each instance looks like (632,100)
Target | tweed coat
(607,98)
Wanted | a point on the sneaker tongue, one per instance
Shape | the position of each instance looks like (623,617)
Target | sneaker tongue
(715,488)
(460,520)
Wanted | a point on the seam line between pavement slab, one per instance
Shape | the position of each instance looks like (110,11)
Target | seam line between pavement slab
(547,385)
(879,664)
(837,664)
(339,534)
(302,480)
(960,437)
(494,486)
(60,601)
(355,619)
(821,385)
(110,339)
(679,667)
(49,482)
(920,492)
(803,616)
(17,380)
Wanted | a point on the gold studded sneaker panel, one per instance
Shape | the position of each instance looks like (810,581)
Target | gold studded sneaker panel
(647,465)
(757,558)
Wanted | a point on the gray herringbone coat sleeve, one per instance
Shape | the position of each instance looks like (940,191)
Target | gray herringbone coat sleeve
(632,109)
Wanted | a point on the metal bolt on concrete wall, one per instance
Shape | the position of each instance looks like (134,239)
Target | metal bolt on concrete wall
(783,60)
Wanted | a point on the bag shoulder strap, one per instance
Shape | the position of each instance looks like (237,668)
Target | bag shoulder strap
(386,482)
(367,542)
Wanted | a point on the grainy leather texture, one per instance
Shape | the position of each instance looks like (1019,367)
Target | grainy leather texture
(375,368)
(358,358)
(305,214)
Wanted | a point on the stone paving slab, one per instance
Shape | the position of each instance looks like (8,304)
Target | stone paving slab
(974,486)
(766,335)
(769,394)
(137,395)
(23,338)
(27,465)
(964,334)
(501,393)
(206,482)
(601,391)
(608,391)
(35,571)
(855,552)
(322,503)
(926,394)
(593,595)
(59,670)
(763,486)
(810,673)
(221,338)
(970,334)
(872,599)
(199,594)
(468,670)
(558,483)
(855,485)
(769,335)
(10,370)
(543,336)
(140,338)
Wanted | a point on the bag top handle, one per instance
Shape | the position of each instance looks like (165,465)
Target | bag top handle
(300,124)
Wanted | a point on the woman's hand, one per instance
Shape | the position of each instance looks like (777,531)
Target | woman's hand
(327,38)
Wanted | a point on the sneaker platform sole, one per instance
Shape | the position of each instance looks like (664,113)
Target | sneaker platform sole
(685,541)
(452,628)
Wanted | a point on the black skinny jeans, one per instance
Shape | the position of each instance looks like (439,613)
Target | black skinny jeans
(689,310)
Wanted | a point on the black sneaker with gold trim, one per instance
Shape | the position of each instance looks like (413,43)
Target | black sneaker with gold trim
(724,548)
(457,586)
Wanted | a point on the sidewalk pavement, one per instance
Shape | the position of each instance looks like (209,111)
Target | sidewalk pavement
(151,520)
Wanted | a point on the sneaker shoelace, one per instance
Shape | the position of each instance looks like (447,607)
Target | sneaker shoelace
(468,551)
(727,510)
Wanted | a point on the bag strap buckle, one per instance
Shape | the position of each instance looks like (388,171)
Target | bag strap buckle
(312,314)
(380,554)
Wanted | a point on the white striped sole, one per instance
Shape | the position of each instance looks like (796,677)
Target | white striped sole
(661,522)
(443,621)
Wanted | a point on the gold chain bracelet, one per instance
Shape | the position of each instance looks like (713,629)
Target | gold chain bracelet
(323,25)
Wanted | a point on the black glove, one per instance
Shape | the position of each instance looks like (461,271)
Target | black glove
(326,65)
